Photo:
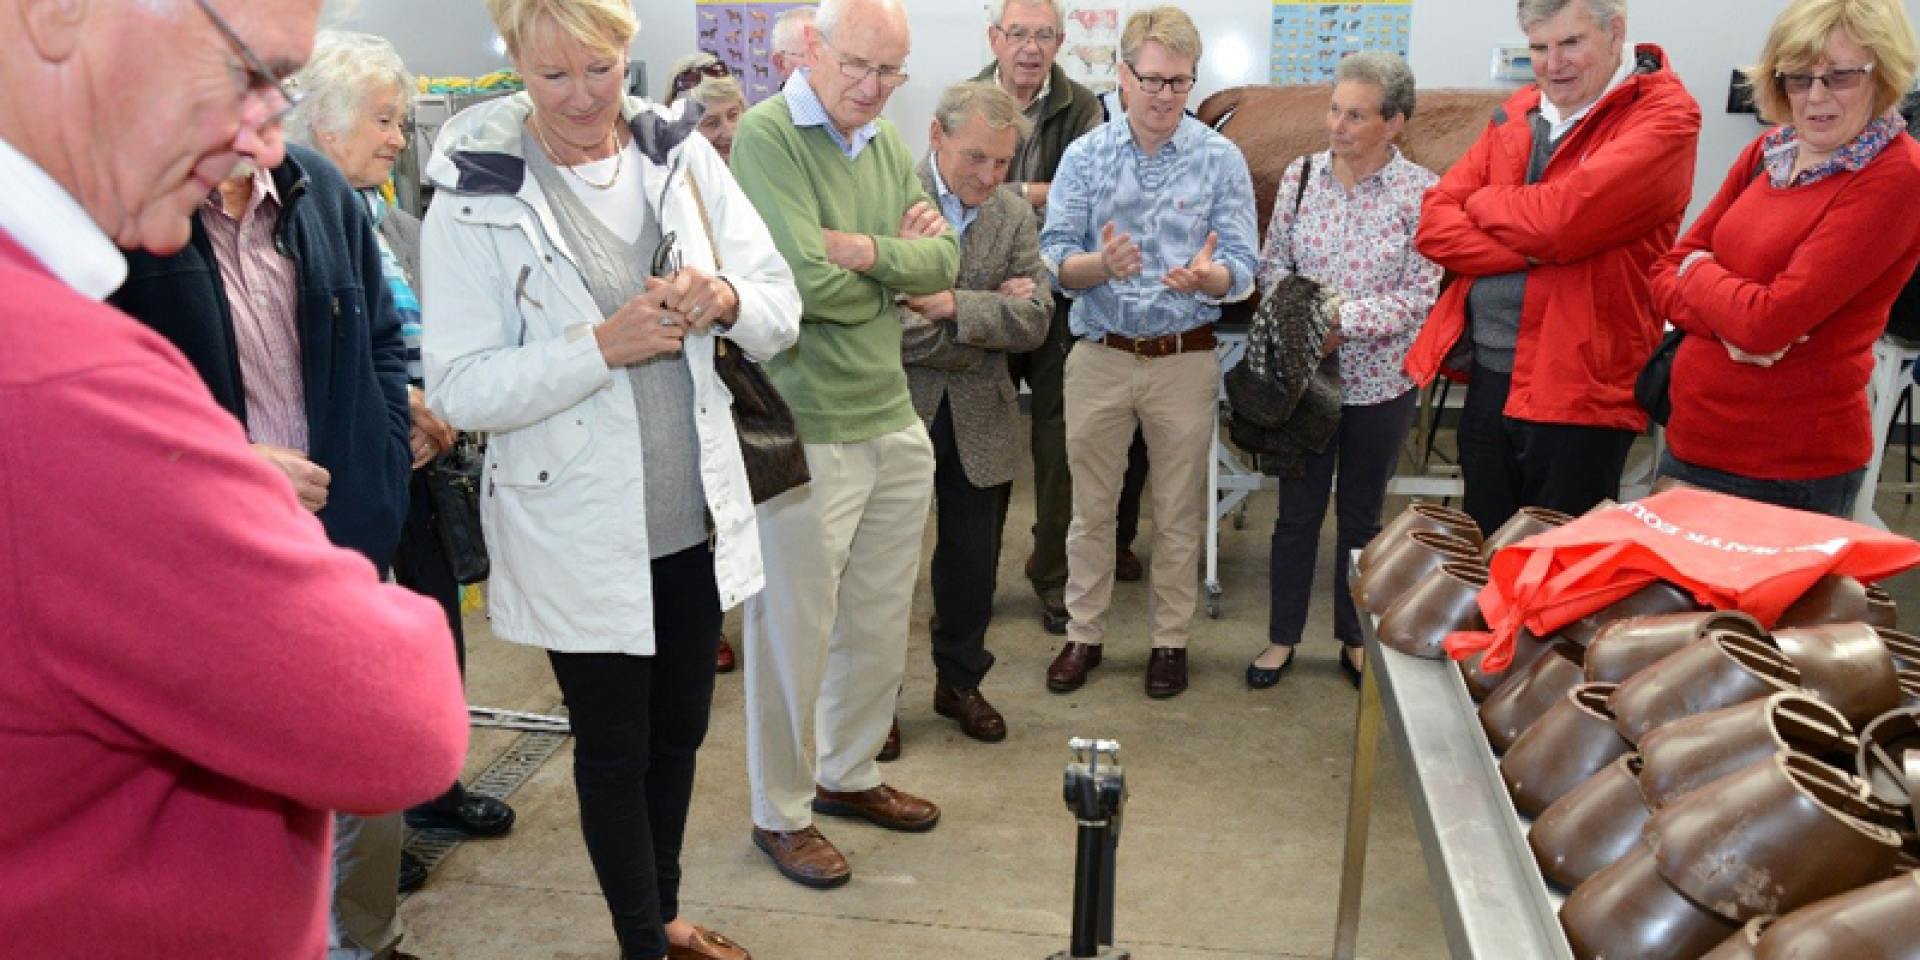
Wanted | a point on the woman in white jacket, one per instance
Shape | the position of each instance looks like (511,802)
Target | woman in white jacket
(573,304)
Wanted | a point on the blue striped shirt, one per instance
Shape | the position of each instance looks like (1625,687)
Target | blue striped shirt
(1196,183)
(808,111)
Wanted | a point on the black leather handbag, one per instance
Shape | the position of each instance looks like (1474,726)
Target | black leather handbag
(769,435)
(453,483)
(1650,388)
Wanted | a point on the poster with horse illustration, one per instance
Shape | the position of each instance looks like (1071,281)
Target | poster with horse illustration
(1310,38)
(740,33)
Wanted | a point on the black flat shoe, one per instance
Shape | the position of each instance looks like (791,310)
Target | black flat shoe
(1260,678)
(474,815)
(413,873)
(1347,667)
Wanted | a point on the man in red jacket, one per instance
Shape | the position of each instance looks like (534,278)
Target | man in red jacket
(191,677)
(1550,223)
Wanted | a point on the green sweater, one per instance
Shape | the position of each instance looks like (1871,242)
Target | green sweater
(843,378)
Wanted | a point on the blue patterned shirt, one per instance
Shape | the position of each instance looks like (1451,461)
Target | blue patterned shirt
(808,111)
(1196,183)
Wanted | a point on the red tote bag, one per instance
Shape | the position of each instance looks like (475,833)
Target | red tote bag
(1732,554)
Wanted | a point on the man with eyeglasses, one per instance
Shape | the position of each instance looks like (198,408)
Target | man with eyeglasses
(1552,222)
(790,42)
(1150,227)
(188,665)
(827,638)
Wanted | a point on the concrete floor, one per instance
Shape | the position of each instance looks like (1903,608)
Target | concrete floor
(1233,833)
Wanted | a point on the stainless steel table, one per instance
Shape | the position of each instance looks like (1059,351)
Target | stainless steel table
(1493,902)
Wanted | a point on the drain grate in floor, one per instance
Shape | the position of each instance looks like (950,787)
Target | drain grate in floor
(499,780)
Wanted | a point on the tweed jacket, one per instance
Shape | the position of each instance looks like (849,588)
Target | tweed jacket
(964,360)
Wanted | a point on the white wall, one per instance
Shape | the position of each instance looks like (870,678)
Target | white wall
(1452,45)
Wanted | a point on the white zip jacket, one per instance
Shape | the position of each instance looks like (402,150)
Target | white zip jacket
(509,350)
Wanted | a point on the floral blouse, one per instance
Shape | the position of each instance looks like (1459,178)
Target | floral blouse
(1361,243)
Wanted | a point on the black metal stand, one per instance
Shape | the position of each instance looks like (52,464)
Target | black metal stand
(1096,792)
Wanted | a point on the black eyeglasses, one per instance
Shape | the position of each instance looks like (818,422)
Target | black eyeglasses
(690,77)
(260,81)
(1153,84)
(1836,80)
(1018,36)
(859,70)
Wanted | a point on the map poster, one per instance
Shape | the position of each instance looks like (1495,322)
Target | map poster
(740,33)
(1309,39)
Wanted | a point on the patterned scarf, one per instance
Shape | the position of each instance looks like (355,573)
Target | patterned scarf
(404,302)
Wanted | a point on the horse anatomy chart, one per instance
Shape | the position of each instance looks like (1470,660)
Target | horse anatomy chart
(1310,38)
(740,32)
(1090,51)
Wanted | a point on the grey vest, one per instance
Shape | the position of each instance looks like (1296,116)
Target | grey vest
(615,271)
(1494,303)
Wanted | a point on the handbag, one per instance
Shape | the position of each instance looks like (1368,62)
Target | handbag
(1651,388)
(453,484)
(769,436)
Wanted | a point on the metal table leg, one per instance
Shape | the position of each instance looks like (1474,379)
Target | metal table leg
(1366,753)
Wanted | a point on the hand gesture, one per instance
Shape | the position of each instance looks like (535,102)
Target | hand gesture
(1189,278)
(310,480)
(1119,255)
(700,299)
(1019,288)
(922,221)
(643,328)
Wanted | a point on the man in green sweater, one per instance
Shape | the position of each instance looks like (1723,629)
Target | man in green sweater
(827,638)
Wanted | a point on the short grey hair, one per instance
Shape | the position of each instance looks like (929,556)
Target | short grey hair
(827,19)
(1386,71)
(993,104)
(997,10)
(1605,12)
(713,91)
(345,68)
(789,28)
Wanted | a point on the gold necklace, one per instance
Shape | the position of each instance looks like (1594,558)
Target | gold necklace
(619,157)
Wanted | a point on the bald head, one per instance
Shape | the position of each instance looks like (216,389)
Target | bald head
(859,52)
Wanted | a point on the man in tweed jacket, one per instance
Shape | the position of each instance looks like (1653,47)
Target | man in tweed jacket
(955,347)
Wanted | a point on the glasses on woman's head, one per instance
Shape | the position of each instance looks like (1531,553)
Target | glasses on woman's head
(279,97)
(690,77)
(859,70)
(1836,80)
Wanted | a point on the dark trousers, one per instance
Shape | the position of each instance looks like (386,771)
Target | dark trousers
(637,724)
(1833,496)
(966,560)
(1366,450)
(1044,370)
(1509,463)
(420,565)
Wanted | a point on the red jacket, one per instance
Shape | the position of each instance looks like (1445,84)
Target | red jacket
(1609,203)
(1823,261)
(191,676)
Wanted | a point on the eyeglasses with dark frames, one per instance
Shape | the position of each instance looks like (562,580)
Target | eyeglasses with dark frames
(1836,80)
(690,77)
(1153,84)
(859,70)
(1019,36)
(260,81)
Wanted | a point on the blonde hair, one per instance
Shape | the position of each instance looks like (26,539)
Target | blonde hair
(994,105)
(714,91)
(1168,26)
(604,25)
(1799,39)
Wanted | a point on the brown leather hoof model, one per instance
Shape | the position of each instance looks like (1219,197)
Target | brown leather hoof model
(1420,516)
(882,806)
(804,856)
(1593,827)
(978,719)
(1069,670)
(1166,672)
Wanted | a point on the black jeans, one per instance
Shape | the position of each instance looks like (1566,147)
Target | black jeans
(420,565)
(637,724)
(1833,496)
(966,560)
(1509,463)
(1366,449)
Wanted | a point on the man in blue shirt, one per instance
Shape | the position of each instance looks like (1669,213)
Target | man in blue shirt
(1150,227)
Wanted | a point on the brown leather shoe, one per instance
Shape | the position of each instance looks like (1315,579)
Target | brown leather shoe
(978,719)
(890,750)
(1166,672)
(1070,668)
(707,945)
(804,856)
(724,661)
(1054,617)
(882,806)
(1127,567)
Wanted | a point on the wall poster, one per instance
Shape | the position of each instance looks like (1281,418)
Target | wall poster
(1309,39)
(740,32)
(1090,51)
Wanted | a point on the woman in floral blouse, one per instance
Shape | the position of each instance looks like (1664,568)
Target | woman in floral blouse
(1353,229)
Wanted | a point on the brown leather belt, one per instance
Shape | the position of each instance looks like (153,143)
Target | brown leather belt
(1192,341)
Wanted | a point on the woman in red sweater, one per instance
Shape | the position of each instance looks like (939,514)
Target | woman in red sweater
(1784,283)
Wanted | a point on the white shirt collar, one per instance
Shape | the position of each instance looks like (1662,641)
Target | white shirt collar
(44,218)
(1039,96)
(1557,127)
